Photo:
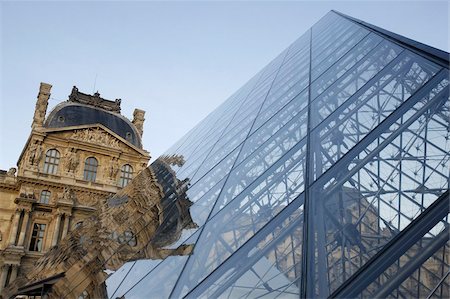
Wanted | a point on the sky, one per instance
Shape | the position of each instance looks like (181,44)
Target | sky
(175,60)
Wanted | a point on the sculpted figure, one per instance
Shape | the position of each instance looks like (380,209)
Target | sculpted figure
(35,154)
(11,171)
(113,169)
(72,160)
(139,222)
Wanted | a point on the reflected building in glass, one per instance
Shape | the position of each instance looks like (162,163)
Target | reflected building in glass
(325,175)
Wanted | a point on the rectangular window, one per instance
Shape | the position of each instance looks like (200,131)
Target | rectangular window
(37,237)
(45,197)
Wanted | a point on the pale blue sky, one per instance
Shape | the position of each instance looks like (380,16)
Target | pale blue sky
(176,60)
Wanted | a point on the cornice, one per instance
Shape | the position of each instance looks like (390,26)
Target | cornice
(40,182)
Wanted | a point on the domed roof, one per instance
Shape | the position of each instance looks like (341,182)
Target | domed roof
(83,109)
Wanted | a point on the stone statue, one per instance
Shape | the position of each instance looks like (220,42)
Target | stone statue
(112,169)
(34,154)
(72,160)
(11,172)
(138,120)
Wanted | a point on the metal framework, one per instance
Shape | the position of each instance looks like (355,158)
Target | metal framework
(308,179)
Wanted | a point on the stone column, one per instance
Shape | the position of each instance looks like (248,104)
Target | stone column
(3,276)
(24,227)
(66,226)
(56,232)
(13,273)
(14,228)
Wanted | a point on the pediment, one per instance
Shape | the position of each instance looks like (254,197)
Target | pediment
(97,134)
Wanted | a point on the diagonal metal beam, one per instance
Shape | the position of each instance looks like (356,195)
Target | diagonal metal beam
(394,249)
(414,263)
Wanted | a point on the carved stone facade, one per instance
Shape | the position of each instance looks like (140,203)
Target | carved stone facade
(66,171)
(96,136)
(129,226)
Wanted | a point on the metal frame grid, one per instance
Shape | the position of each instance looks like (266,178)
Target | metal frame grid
(310,175)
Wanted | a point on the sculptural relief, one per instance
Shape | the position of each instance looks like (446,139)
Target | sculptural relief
(87,199)
(112,169)
(34,154)
(11,172)
(27,192)
(68,195)
(72,160)
(96,136)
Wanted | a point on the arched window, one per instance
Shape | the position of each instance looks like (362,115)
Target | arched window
(45,196)
(51,161)
(90,169)
(126,174)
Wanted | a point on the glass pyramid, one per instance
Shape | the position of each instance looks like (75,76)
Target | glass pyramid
(326,175)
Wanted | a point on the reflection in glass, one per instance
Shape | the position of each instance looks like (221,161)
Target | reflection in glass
(309,172)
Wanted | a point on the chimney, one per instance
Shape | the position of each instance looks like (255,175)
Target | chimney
(41,105)
(138,120)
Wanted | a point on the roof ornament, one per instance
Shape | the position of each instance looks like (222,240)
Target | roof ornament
(94,100)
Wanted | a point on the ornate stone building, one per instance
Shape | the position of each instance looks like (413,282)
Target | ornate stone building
(80,154)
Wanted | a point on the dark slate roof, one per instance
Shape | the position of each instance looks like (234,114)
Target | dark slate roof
(69,114)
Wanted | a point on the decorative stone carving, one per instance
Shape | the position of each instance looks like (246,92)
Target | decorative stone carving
(94,100)
(26,209)
(72,160)
(11,172)
(68,196)
(35,153)
(27,192)
(112,169)
(138,120)
(96,136)
(135,228)
(87,199)
(41,105)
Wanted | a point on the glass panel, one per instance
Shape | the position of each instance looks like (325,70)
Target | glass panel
(270,269)
(377,155)
(387,184)
(158,281)
(255,204)
(420,272)
(365,110)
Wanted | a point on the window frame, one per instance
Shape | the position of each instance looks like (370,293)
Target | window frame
(126,175)
(47,196)
(51,161)
(34,245)
(90,169)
